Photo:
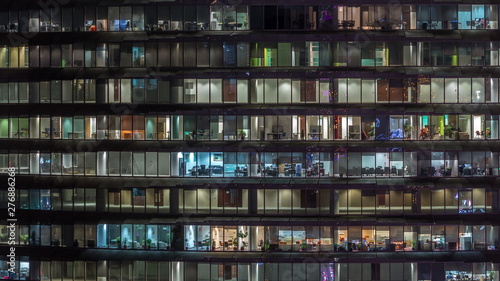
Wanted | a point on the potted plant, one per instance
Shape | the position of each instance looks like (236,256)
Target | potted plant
(447,131)
(125,243)
(408,129)
(261,245)
(303,246)
(371,133)
(487,134)
(148,243)
(24,238)
(241,236)
(206,242)
(242,134)
(243,245)
(213,245)
(235,244)
(118,242)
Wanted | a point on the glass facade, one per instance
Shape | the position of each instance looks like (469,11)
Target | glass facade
(250,140)
(319,202)
(322,91)
(207,271)
(265,127)
(244,54)
(299,238)
(246,15)
(368,164)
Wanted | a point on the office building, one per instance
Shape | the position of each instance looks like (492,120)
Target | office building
(251,140)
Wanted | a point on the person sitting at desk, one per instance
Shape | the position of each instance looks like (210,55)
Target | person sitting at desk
(298,170)
(271,171)
(312,171)
(243,171)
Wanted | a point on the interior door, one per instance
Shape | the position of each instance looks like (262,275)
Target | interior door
(382,90)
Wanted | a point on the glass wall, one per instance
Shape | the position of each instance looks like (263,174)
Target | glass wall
(254,54)
(394,238)
(320,201)
(171,90)
(219,17)
(264,164)
(204,271)
(253,127)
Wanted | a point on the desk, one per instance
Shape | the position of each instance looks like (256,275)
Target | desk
(479,246)
(216,170)
(463,136)
(315,136)
(204,135)
(355,135)
(161,27)
(190,26)
(242,173)
(21,134)
(274,136)
(75,135)
(290,172)
(232,25)
(311,172)
(200,26)
(161,136)
(271,172)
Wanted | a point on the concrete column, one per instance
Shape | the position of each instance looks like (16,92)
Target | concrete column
(495,201)
(416,203)
(177,271)
(252,201)
(257,271)
(174,200)
(101,200)
(334,199)
(414,271)
(337,272)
